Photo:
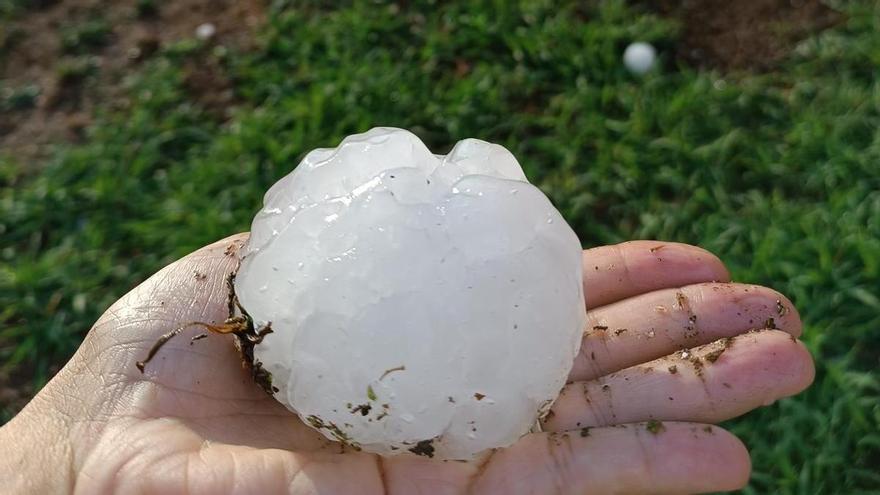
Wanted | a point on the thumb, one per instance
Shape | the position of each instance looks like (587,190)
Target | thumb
(191,289)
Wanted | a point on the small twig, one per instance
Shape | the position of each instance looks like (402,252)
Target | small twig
(392,370)
(228,327)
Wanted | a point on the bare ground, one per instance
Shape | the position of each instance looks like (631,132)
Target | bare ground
(39,53)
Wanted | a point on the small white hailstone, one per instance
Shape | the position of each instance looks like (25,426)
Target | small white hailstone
(639,57)
(419,302)
(205,31)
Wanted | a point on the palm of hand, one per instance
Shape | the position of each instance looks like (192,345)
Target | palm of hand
(196,423)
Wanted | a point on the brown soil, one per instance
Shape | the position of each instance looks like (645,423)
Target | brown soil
(69,81)
(747,34)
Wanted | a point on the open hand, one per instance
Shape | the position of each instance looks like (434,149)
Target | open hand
(671,347)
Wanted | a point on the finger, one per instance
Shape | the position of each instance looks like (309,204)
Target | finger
(614,273)
(659,323)
(709,384)
(192,289)
(644,458)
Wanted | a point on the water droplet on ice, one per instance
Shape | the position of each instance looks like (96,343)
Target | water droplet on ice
(407,417)
(264,288)
(549,220)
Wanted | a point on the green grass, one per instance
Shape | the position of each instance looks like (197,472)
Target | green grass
(85,37)
(779,174)
(20,98)
(8,8)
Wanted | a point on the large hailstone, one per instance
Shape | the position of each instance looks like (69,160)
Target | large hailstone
(419,302)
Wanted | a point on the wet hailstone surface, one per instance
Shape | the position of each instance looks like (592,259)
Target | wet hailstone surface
(419,302)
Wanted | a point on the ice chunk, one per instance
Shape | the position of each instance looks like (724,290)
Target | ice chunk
(419,302)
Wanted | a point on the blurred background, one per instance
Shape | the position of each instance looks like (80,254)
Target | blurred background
(134,131)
